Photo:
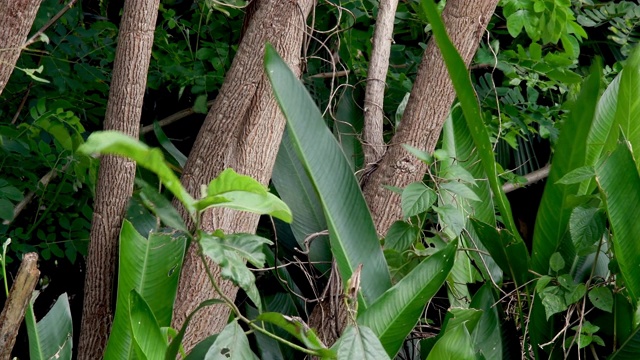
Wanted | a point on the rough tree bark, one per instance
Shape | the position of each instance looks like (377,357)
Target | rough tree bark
(427,109)
(374,147)
(429,104)
(116,175)
(242,130)
(16,18)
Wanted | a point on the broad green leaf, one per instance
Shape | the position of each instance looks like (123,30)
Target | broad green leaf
(231,344)
(455,344)
(627,116)
(464,164)
(352,234)
(396,312)
(630,348)
(468,317)
(467,97)
(578,175)
(160,206)
(509,252)
(241,192)
(423,156)
(52,336)
(586,226)
(360,343)
(600,129)
(401,235)
(556,262)
(168,145)
(602,298)
(230,253)
(144,326)
(296,190)
(174,348)
(152,268)
(459,189)
(620,186)
(347,127)
(296,327)
(417,198)
(487,335)
(569,154)
(116,143)
(451,219)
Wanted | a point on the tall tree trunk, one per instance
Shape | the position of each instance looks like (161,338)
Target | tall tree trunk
(428,107)
(116,175)
(16,18)
(372,135)
(242,131)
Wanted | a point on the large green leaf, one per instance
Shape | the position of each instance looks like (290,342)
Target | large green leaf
(569,154)
(296,190)
(230,252)
(600,129)
(627,117)
(52,336)
(117,143)
(457,140)
(152,268)
(467,97)
(620,186)
(508,251)
(352,233)
(360,343)
(487,335)
(231,344)
(145,329)
(455,344)
(630,348)
(396,312)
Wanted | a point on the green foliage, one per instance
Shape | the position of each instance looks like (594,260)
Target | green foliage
(352,233)
(52,336)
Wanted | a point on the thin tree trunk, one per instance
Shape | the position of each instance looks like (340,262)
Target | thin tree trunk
(116,175)
(16,18)
(426,111)
(429,104)
(242,131)
(17,302)
(374,147)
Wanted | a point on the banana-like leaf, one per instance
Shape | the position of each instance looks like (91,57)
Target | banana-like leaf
(487,335)
(555,207)
(600,129)
(627,117)
(619,183)
(52,336)
(152,268)
(396,312)
(296,190)
(630,348)
(147,335)
(454,344)
(457,140)
(360,343)
(467,97)
(352,235)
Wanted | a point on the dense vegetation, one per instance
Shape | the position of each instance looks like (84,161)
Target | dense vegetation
(546,271)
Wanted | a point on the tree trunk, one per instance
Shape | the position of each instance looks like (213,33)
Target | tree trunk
(242,131)
(428,107)
(372,135)
(116,175)
(16,18)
